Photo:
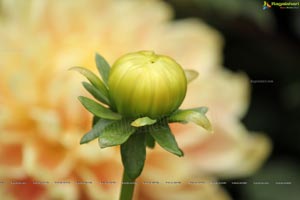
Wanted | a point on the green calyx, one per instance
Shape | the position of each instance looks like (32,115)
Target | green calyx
(135,101)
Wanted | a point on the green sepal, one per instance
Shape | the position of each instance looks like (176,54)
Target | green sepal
(116,133)
(202,109)
(196,116)
(96,130)
(150,142)
(190,75)
(98,110)
(164,137)
(93,79)
(103,67)
(143,122)
(133,153)
(96,93)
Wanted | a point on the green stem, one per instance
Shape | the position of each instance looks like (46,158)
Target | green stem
(127,187)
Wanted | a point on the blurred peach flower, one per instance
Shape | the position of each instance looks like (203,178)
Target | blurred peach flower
(41,121)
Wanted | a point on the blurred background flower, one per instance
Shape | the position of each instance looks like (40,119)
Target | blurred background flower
(41,121)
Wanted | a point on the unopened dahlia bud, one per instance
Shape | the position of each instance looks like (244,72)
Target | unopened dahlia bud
(146,84)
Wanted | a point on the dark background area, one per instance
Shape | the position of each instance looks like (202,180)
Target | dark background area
(266,45)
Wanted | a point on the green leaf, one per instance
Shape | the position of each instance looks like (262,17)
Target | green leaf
(190,75)
(93,79)
(96,130)
(133,153)
(96,93)
(103,67)
(116,133)
(150,142)
(191,115)
(98,110)
(95,120)
(164,137)
(143,122)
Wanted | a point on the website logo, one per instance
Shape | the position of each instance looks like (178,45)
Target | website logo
(266,5)
(281,5)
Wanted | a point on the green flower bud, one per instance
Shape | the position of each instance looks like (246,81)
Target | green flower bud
(145,84)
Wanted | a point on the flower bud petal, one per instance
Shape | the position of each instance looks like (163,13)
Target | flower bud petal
(146,84)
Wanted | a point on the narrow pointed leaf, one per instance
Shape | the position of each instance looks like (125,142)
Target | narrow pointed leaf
(98,110)
(103,67)
(93,79)
(133,153)
(143,122)
(190,75)
(116,133)
(96,130)
(96,93)
(150,142)
(165,138)
(190,115)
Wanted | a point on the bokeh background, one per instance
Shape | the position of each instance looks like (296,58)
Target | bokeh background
(266,45)
(248,61)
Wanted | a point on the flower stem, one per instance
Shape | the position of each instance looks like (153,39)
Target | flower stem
(127,187)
